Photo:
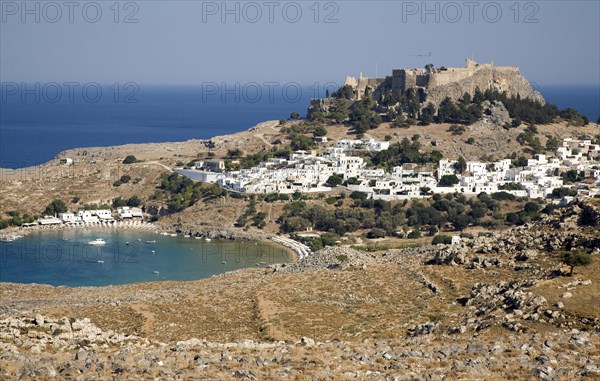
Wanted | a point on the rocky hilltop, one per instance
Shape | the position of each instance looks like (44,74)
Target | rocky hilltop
(490,307)
(436,84)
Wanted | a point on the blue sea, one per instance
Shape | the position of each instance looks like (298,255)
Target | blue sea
(38,123)
(64,257)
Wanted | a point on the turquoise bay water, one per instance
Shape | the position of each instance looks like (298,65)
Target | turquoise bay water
(64,257)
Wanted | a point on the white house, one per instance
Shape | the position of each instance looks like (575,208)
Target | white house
(67,217)
(49,220)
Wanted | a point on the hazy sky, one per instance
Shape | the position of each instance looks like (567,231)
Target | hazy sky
(190,42)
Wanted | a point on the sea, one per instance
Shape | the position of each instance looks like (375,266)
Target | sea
(37,121)
(65,257)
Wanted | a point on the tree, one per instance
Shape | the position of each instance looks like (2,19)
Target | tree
(55,207)
(401,121)
(119,202)
(130,159)
(531,207)
(234,153)
(134,201)
(376,233)
(456,129)
(427,114)
(552,144)
(319,131)
(576,258)
(259,220)
(415,234)
(448,181)
(333,181)
(461,165)
(294,115)
(344,92)
(301,142)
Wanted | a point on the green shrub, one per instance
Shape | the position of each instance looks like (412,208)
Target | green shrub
(376,233)
(130,159)
(441,239)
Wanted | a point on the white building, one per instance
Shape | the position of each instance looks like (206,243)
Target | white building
(67,217)
(368,144)
(49,220)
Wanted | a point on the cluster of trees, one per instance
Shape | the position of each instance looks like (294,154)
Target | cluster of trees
(132,201)
(250,214)
(54,207)
(530,111)
(255,159)
(298,133)
(122,180)
(530,212)
(465,111)
(338,109)
(363,116)
(382,218)
(16,219)
(558,193)
(183,192)
(408,102)
(528,138)
(405,151)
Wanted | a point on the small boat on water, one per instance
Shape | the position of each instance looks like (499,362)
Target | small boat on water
(153,241)
(187,236)
(100,261)
(223,263)
(208,239)
(173,234)
(153,252)
(155,272)
(97,242)
(127,243)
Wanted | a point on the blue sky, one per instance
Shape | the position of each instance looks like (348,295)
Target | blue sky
(188,42)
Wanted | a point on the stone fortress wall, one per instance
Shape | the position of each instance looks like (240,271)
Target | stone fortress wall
(439,83)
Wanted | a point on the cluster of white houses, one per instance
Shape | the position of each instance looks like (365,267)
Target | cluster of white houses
(308,172)
(92,217)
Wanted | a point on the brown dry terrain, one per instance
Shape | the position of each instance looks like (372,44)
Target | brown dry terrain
(385,314)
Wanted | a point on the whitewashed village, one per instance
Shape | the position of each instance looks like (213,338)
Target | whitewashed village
(309,172)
